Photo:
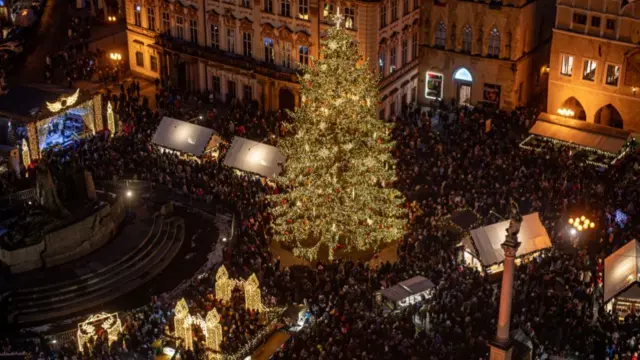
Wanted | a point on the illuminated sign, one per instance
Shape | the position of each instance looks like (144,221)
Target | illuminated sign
(64,102)
(434,86)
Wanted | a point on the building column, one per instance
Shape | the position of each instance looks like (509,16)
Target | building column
(202,76)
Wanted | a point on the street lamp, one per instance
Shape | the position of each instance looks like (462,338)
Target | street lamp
(129,193)
(111,18)
(115,56)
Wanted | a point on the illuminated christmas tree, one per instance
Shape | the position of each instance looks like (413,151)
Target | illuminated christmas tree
(339,169)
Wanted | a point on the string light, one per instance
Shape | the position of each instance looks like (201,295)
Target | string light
(26,157)
(214,331)
(110,119)
(252,294)
(108,322)
(607,155)
(224,286)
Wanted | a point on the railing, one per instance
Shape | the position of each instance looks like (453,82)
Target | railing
(20,197)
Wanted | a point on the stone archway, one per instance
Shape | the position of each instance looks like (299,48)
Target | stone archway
(574,105)
(608,115)
(286,99)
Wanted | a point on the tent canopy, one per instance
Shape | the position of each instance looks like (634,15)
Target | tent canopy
(255,157)
(603,138)
(621,271)
(486,240)
(182,136)
(403,290)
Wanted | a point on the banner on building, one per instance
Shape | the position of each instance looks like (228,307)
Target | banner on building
(491,94)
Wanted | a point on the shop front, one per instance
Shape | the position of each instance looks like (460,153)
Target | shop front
(622,280)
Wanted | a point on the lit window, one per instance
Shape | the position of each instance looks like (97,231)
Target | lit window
(567,65)
(613,75)
(349,18)
(381,63)
(589,70)
(328,10)
(434,86)
(137,16)
(269,57)
(392,60)
(303,9)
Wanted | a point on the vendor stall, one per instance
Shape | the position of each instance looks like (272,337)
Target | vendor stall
(621,279)
(254,157)
(411,291)
(186,138)
(483,248)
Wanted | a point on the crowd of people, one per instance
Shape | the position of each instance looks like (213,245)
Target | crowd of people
(448,158)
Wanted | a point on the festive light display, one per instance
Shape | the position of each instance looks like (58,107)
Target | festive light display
(64,102)
(109,322)
(224,285)
(581,223)
(111,123)
(26,157)
(252,294)
(214,332)
(182,323)
(34,148)
(339,168)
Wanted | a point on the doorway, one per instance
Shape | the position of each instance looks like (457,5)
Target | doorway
(463,80)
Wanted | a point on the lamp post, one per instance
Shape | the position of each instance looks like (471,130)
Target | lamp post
(116,57)
(578,225)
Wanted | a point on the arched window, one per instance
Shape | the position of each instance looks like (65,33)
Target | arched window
(467,39)
(441,35)
(494,43)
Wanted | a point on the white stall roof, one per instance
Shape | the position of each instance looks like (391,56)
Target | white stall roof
(403,290)
(255,157)
(487,239)
(182,136)
(621,270)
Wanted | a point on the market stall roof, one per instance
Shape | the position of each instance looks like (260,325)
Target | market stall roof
(255,157)
(403,290)
(603,138)
(486,240)
(28,102)
(183,136)
(622,271)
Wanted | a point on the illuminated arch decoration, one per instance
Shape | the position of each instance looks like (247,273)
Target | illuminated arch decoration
(182,324)
(111,123)
(224,285)
(463,74)
(213,332)
(252,294)
(109,322)
(63,102)
(26,156)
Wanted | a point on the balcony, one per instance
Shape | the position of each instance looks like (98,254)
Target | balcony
(219,56)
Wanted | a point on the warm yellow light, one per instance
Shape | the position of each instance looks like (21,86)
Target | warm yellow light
(64,102)
(115,56)
(592,225)
(252,294)
(582,217)
(579,228)
(570,221)
(586,221)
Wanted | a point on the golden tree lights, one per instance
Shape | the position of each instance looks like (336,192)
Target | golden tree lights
(339,169)
(252,294)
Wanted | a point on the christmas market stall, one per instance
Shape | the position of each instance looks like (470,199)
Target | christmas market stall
(483,248)
(254,157)
(411,291)
(622,279)
(588,142)
(186,139)
(44,118)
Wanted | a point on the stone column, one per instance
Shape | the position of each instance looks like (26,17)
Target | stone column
(90,186)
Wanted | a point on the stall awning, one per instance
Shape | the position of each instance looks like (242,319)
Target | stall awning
(255,157)
(622,271)
(486,240)
(403,290)
(603,138)
(182,136)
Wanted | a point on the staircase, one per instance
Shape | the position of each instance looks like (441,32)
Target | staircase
(57,300)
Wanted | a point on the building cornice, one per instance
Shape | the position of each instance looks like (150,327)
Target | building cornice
(587,36)
(607,93)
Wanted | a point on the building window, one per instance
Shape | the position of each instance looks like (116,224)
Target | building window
(613,75)
(595,21)
(327,10)
(611,24)
(589,70)
(247,93)
(137,16)
(246,4)
(286,54)
(303,9)
(414,42)
(166,23)
(215,36)
(193,31)
(394,10)
(231,40)
(405,51)
(441,35)
(180,27)
(268,6)
(349,18)
(285,7)
(381,63)
(153,62)
(405,7)
(467,39)
(567,65)
(231,90)
(268,51)
(303,52)
(392,60)
(580,19)
(139,59)
(216,84)
(494,43)
(151,19)
(383,16)
(246,44)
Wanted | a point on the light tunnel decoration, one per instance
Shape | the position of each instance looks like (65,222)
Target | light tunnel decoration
(88,329)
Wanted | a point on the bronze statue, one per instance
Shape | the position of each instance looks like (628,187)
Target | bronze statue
(515,221)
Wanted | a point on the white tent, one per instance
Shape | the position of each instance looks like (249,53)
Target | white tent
(622,272)
(486,240)
(255,157)
(185,137)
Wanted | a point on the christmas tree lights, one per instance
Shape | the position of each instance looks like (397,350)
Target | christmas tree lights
(339,169)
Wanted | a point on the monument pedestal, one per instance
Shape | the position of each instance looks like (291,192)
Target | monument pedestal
(500,350)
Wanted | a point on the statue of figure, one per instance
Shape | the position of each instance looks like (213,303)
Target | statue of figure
(515,221)
(47,194)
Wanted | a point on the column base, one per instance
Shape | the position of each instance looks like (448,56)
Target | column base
(501,350)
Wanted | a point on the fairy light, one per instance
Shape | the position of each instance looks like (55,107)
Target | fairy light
(224,285)
(110,119)
(214,330)
(182,323)
(108,322)
(252,294)
(26,156)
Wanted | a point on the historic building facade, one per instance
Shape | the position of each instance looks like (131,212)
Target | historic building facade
(491,53)
(250,49)
(595,62)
